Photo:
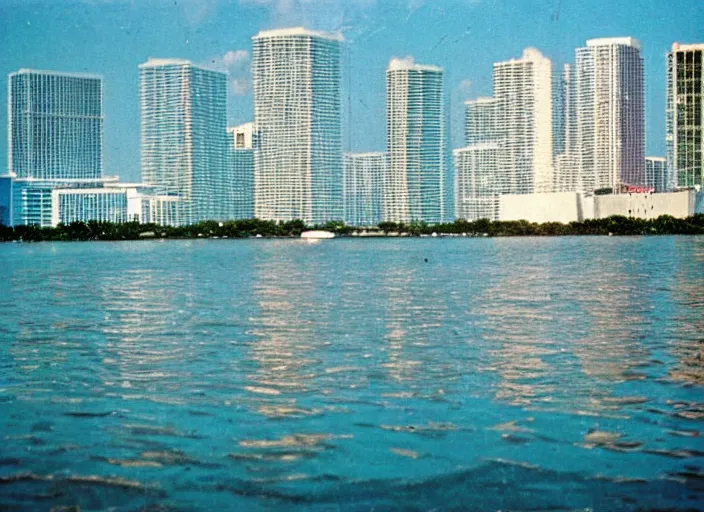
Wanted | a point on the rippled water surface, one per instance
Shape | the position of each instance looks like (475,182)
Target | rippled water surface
(501,374)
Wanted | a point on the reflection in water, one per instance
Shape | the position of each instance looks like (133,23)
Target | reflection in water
(688,334)
(392,374)
(284,334)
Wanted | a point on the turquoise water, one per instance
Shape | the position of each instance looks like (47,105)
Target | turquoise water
(500,374)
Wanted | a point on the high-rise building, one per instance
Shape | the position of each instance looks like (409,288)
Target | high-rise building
(609,88)
(564,131)
(241,162)
(55,139)
(297,113)
(55,125)
(685,116)
(480,121)
(479,181)
(416,181)
(184,138)
(523,91)
(656,175)
(363,187)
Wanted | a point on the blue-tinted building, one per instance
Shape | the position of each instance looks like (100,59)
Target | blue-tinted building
(416,185)
(6,201)
(55,140)
(241,166)
(55,125)
(184,138)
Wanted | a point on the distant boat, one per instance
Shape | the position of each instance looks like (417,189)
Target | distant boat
(317,235)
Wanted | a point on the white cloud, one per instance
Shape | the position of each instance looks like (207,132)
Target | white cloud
(466,84)
(236,64)
(321,14)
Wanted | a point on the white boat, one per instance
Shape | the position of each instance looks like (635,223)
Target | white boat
(317,235)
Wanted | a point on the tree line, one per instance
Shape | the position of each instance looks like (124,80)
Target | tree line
(247,228)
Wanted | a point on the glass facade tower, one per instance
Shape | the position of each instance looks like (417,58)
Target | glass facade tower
(415,184)
(184,137)
(55,127)
(685,116)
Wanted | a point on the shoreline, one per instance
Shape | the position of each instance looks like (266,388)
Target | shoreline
(255,229)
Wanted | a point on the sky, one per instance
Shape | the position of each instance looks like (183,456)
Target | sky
(465,37)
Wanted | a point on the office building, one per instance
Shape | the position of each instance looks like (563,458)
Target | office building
(685,116)
(523,91)
(609,89)
(55,125)
(416,181)
(363,187)
(184,137)
(297,114)
(241,162)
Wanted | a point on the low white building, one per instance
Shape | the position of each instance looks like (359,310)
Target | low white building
(646,206)
(571,206)
(562,207)
(114,202)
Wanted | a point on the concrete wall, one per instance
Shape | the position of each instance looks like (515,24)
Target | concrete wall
(645,206)
(549,207)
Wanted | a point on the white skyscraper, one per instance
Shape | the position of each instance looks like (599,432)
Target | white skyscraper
(610,113)
(479,181)
(480,121)
(415,185)
(184,137)
(297,114)
(523,91)
(364,180)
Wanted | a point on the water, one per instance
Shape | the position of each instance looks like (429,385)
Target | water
(501,374)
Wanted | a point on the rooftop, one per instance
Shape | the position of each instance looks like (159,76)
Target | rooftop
(529,55)
(25,71)
(155,63)
(410,64)
(607,41)
(687,47)
(298,32)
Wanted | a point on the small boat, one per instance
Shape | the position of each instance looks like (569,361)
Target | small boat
(317,235)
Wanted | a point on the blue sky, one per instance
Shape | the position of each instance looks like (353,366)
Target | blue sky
(111,37)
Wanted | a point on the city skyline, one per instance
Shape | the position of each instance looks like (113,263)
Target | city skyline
(453,33)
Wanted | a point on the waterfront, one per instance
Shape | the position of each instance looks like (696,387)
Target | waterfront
(521,374)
